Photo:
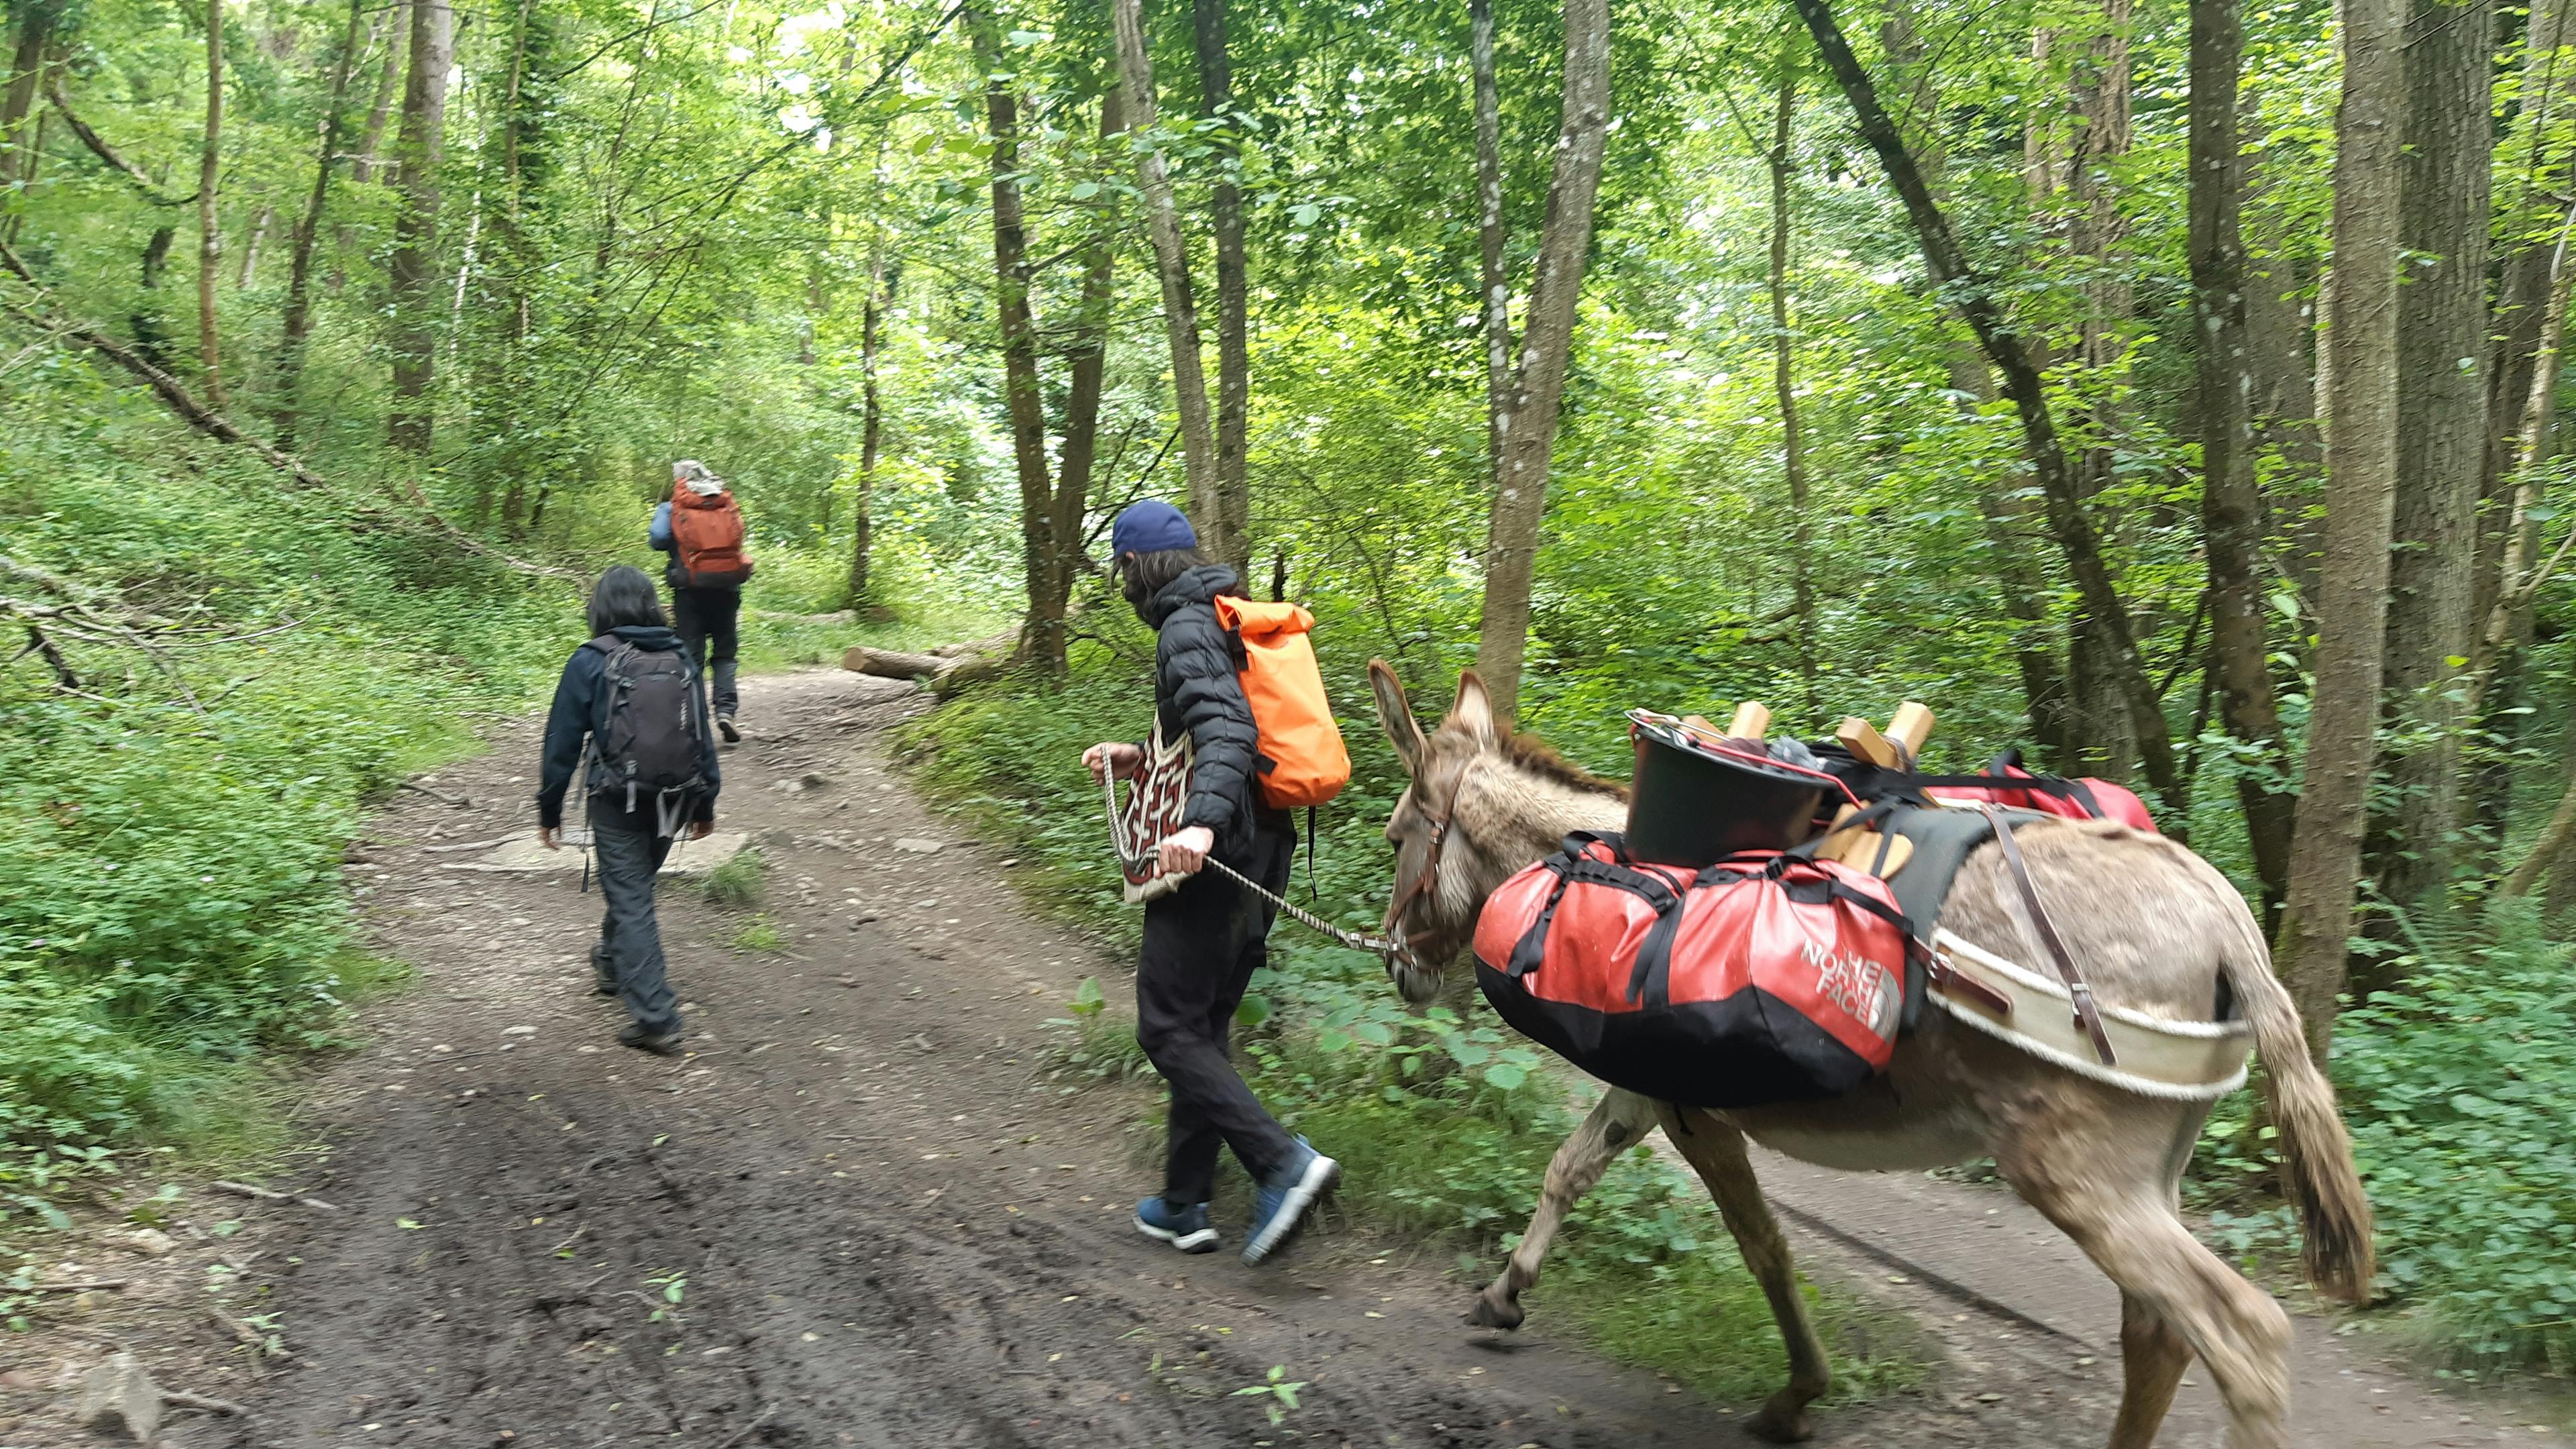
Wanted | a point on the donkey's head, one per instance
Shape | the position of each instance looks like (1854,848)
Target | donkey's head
(1483,803)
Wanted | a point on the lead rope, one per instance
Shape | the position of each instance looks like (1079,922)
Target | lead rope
(1135,864)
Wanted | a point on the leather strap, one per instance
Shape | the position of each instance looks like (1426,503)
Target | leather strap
(2086,1015)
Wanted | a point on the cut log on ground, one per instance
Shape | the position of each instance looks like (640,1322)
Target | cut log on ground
(937,664)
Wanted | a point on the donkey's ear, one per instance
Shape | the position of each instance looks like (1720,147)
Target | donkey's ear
(1395,716)
(1474,711)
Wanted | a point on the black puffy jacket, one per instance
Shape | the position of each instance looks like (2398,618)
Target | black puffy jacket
(1197,691)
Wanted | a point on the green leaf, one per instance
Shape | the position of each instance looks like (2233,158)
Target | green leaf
(1253,1010)
(1505,1076)
(1085,190)
(407,1225)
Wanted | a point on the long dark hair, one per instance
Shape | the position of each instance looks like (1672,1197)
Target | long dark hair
(624,596)
(1142,575)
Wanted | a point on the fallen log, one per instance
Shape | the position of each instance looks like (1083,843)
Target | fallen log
(936,664)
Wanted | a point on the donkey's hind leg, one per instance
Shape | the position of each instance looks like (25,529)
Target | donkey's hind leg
(1716,1151)
(1617,1121)
(2131,1233)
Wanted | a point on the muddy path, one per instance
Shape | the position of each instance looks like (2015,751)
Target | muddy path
(852,1214)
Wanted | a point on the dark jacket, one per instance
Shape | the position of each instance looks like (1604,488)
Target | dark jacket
(1197,692)
(579,710)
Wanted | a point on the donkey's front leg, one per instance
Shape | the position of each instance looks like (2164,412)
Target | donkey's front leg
(1716,1150)
(1616,1122)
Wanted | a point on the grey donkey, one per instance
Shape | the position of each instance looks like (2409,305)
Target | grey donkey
(2156,928)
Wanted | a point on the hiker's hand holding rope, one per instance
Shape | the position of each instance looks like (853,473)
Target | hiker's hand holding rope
(1114,759)
(1184,851)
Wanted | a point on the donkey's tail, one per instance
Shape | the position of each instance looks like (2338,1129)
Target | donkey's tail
(2317,1173)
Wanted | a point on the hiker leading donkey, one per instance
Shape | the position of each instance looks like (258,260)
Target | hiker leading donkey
(1203,941)
(632,693)
(700,527)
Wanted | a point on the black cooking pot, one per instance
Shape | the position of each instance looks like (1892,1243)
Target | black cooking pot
(1696,800)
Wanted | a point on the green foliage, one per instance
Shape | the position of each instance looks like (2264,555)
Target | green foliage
(2455,1088)
(736,883)
(759,934)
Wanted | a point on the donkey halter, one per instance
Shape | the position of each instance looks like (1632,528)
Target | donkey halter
(1413,894)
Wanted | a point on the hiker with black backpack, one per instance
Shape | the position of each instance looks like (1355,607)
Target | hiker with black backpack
(700,527)
(1205,938)
(632,695)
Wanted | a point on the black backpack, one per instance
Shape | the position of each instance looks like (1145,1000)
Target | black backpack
(647,736)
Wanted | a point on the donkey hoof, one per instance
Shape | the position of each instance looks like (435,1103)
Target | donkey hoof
(1783,1421)
(1495,1309)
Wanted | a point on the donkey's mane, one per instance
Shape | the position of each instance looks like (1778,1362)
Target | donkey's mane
(1540,758)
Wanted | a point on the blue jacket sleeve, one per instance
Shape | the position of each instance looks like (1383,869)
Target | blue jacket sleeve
(576,704)
(660,534)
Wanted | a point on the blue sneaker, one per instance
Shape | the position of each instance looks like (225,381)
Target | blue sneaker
(1184,1228)
(1280,1204)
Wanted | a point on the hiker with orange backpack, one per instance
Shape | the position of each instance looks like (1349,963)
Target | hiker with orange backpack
(700,527)
(1203,941)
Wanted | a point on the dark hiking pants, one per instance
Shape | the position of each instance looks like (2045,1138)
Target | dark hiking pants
(706,619)
(630,942)
(1202,944)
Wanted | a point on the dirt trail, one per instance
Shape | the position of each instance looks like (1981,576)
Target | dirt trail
(883,1230)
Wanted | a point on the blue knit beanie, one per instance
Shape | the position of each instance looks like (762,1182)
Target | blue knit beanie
(1150,527)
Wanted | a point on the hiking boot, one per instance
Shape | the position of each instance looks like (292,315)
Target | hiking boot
(1279,1204)
(727,728)
(1184,1228)
(645,1039)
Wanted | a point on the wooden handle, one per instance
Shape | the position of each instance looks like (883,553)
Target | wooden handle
(1910,728)
(1752,721)
(1863,739)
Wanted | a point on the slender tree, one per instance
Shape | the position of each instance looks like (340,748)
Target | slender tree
(1208,510)
(1233,284)
(2441,431)
(1784,376)
(210,233)
(39,23)
(296,317)
(1973,294)
(871,426)
(2231,506)
(1535,391)
(412,269)
(2361,464)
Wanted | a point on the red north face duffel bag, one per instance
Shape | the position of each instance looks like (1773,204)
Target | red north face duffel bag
(1770,976)
(2007,784)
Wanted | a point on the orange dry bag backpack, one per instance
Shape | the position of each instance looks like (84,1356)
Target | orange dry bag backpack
(708,532)
(1302,759)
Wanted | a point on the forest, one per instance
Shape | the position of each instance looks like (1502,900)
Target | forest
(2166,388)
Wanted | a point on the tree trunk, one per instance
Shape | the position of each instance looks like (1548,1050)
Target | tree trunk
(397,32)
(2021,585)
(210,232)
(2507,618)
(871,430)
(1973,294)
(1495,289)
(37,22)
(2361,486)
(1784,379)
(1208,510)
(1547,345)
(412,269)
(2231,507)
(1011,308)
(151,330)
(2441,433)
(1233,299)
(246,274)
(506,374)
(297,319)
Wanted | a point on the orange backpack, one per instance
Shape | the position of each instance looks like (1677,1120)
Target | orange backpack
(1301,747)
(708,535)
